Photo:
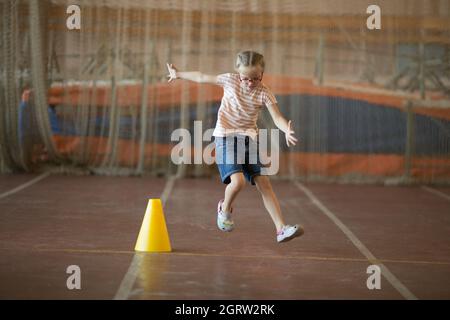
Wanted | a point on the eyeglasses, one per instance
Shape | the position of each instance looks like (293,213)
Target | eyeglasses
(250,79)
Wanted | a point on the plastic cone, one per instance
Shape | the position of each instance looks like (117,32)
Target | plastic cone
(153,236)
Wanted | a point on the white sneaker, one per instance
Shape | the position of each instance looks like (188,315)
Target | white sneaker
(223,222)
(289,232)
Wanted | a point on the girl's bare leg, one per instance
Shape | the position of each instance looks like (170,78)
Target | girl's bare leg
(232,190)
(270,201)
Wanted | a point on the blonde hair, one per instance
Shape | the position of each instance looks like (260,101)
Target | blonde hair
(250,59)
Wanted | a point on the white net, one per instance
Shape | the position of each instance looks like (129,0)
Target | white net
(367,105)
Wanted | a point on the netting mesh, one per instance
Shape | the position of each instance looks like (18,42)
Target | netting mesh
(367,105)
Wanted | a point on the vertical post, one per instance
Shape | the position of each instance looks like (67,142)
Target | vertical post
(422,67)
(143,114)
(154,105)
(38,72)
(319,59)
(172,108)
(185,87)
(199,169)
(409,148)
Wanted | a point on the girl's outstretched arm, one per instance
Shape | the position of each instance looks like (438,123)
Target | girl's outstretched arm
(195,76)
(282,124)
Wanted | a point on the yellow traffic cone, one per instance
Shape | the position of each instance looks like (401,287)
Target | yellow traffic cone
(153,236)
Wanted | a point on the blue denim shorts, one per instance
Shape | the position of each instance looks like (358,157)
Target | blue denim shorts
(237,153)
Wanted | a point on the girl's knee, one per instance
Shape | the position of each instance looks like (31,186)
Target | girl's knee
(262,183)
(238,180)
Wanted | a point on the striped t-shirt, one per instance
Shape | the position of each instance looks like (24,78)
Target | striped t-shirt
(239,110)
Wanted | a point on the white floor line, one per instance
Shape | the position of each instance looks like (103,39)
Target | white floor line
(401,288)
(133,270)
(436,192)
(24,185)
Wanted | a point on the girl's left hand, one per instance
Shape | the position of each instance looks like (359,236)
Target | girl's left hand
(290,139)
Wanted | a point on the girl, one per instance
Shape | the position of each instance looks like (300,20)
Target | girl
(244,95)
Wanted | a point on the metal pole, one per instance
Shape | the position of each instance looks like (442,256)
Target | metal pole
(409,148)
(319,61)
(143,117)
(422,67)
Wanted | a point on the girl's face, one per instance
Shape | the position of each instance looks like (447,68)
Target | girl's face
(250,76)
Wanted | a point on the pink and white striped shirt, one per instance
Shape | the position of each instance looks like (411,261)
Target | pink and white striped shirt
(240,107)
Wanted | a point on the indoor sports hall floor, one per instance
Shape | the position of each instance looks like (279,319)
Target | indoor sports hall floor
(49,222)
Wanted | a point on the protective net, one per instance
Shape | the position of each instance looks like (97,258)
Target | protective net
(368,105)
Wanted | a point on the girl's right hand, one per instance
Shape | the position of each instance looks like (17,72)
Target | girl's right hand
(172,72)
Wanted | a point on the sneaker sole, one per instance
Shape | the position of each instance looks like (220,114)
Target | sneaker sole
(298,233)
